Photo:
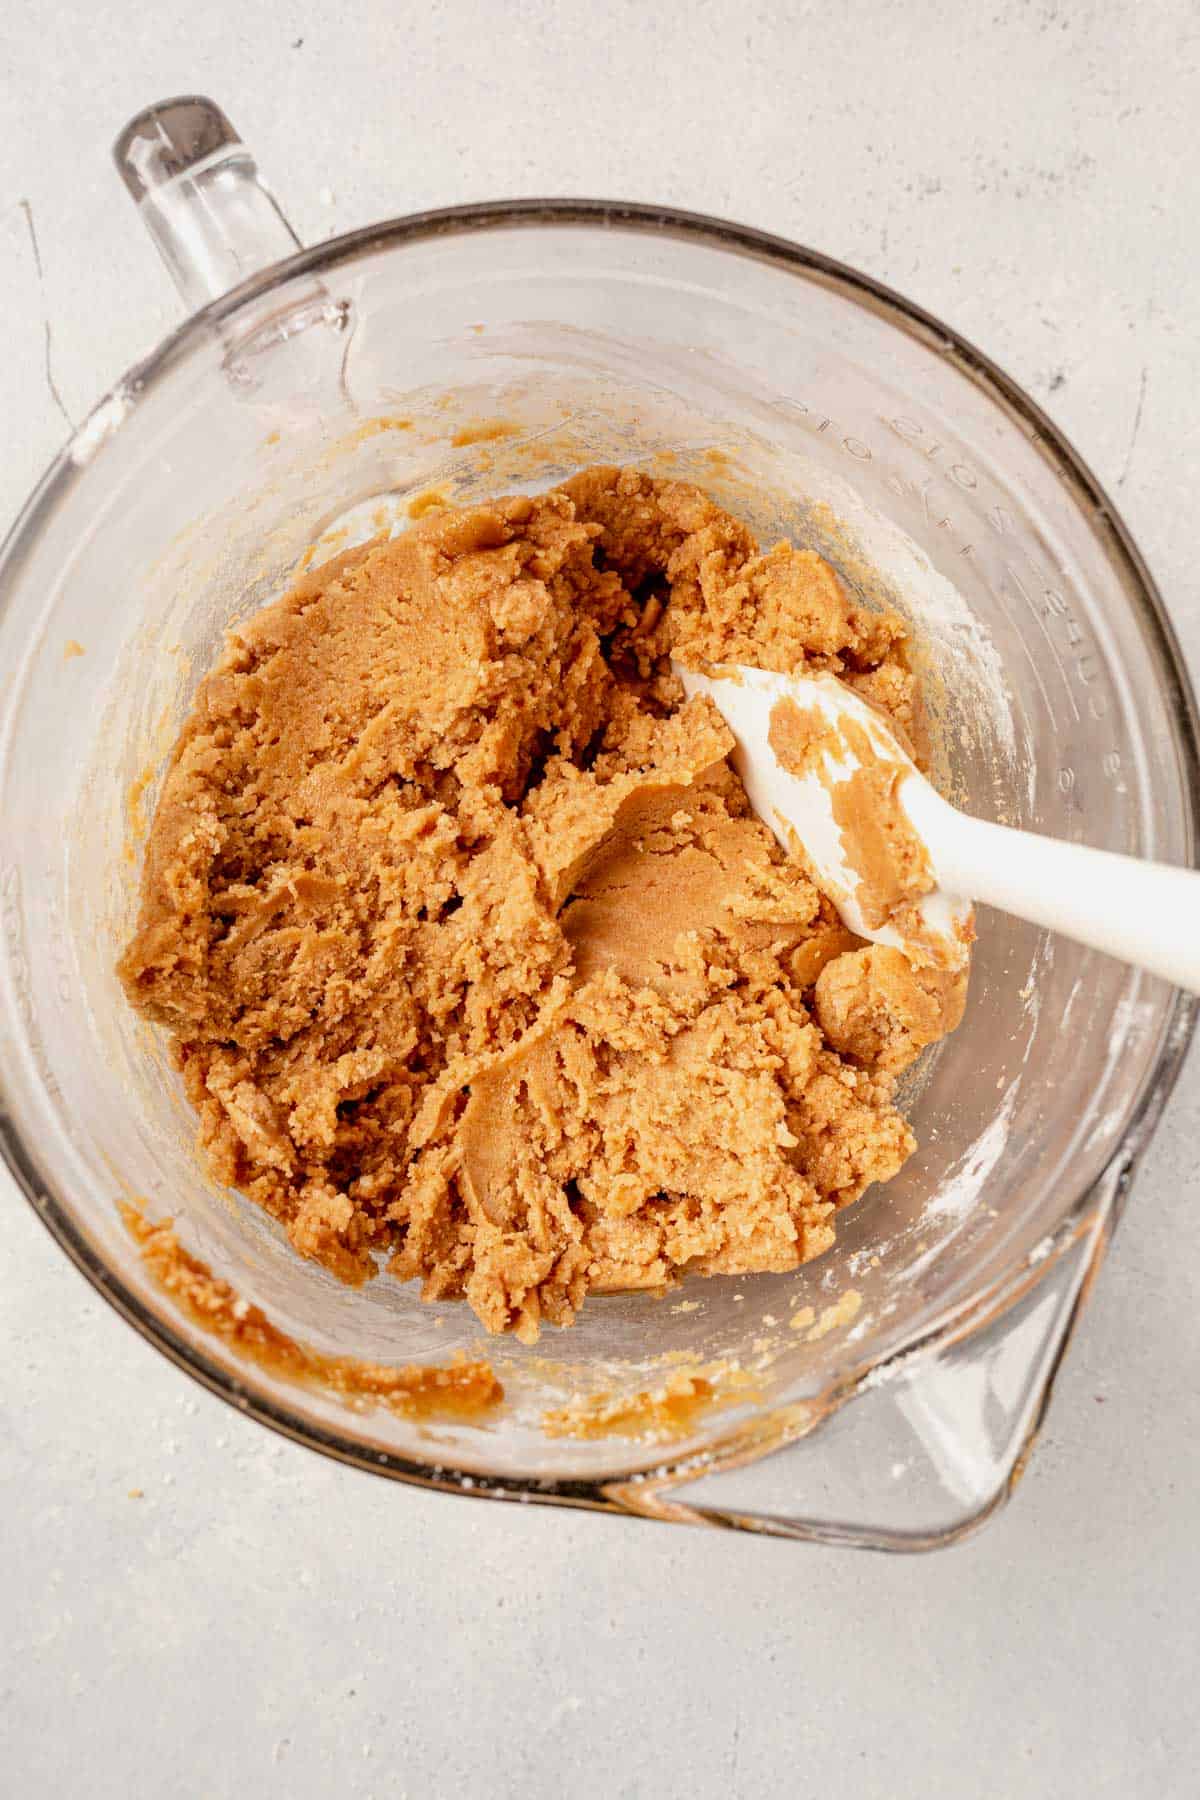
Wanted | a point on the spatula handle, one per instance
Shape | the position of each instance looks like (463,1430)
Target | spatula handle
(1145,913)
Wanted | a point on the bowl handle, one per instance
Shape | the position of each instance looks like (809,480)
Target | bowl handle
(198,191)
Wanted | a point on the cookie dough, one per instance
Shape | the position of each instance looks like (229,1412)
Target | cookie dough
(478,966)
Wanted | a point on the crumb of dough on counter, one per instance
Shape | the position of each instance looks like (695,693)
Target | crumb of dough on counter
(478,966)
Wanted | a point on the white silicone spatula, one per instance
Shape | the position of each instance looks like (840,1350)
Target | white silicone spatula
(1145,913)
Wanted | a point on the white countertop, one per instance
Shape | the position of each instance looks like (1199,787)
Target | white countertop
(264,1621)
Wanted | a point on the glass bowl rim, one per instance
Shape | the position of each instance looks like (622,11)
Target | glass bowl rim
(611,1493)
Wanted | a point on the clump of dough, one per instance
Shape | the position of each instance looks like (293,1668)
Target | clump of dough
(874,1006)
(477,963)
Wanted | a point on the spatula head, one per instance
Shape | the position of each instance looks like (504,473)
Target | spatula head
(828,774)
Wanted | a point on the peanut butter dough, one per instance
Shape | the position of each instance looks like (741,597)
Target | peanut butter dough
(478,966)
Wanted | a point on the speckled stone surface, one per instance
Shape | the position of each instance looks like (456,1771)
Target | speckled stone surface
(262,1621)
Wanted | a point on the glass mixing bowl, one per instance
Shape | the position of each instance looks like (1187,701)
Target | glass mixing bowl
(822,407)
